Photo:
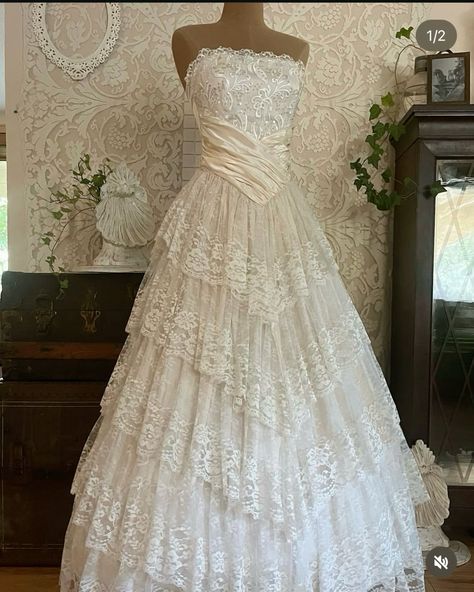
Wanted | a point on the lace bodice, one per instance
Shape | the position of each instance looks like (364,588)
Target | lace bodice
(257,92)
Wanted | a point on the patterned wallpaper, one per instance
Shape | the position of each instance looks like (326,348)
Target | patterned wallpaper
(131,109)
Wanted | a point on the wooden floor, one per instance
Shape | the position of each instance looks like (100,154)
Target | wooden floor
(45,579)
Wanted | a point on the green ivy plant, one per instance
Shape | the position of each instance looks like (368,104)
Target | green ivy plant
(82,194)
(386,192)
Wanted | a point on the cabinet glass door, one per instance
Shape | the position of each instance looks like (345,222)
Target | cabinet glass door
(452,347)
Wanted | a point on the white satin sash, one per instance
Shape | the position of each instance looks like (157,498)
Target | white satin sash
(257,168)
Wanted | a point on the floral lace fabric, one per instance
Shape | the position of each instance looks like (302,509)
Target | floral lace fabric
(247,440)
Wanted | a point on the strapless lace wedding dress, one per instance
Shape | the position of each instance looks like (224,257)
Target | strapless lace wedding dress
(247,441)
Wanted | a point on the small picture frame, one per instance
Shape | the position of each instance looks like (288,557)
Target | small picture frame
(448,79)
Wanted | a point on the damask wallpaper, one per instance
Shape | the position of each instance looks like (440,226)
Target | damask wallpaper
(131,109)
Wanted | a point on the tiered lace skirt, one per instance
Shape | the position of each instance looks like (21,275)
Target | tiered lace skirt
(247,441)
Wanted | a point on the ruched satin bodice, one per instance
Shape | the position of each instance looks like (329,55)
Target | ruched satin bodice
(244,103)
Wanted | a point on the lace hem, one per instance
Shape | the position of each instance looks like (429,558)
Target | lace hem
(135,546)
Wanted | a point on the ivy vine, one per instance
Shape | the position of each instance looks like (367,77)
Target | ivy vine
(380,187)
(77,197)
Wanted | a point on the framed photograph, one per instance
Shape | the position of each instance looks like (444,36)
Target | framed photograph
(448,79)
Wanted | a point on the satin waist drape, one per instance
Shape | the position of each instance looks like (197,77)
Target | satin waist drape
(258,168)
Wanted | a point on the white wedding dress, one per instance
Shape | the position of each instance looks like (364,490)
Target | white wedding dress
(247,441)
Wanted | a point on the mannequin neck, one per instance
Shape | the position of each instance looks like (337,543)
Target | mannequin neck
(250,13)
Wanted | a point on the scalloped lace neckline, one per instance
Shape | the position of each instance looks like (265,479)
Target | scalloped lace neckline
(244,51)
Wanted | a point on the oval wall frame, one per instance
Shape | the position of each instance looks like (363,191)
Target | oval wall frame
(76,68)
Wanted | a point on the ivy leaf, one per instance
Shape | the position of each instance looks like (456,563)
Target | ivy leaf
(387,100)
(97,179)
(379,130)
(374,158)
(46,240)
(362,179)
(387,175)
(395,198)
(374,111)
(436,188)
(372,195)
(404,32)
(356,165)
(382,199)
(396,131)
(363,175)
(371,140)
(57,215)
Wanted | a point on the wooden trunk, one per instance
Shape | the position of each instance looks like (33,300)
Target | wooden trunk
(44,427)
(57,351)
(75,334)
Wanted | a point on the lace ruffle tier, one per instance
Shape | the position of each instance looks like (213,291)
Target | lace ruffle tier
(267,257)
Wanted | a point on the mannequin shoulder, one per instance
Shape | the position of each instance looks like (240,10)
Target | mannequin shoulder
(187,38)
(304,56)
(185,45)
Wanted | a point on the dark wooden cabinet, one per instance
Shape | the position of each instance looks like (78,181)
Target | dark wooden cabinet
(432,345)
(57,351)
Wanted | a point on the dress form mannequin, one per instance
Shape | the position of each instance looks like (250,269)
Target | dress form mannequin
(241,26)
